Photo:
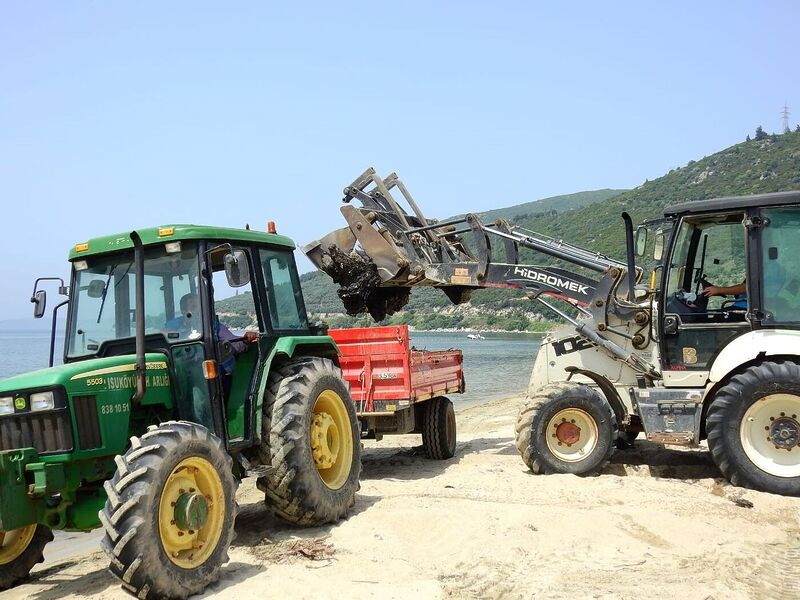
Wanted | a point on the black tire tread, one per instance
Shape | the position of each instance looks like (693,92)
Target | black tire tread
(287,495)
(529,415)
(434,428)
(17,571)
(133,490)
(723,407)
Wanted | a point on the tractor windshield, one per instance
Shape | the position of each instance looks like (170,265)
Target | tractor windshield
(102,305)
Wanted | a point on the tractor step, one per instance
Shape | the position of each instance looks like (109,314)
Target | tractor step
(669,416)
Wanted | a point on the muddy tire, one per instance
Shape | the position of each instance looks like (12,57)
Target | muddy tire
(20,551)
(753,428)
(170,511)
(439,428)
(311,440)
(566,428)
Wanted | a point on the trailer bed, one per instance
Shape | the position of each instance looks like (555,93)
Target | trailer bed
(387,374)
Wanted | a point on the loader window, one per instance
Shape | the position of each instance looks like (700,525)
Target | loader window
(284,296)
(780,265)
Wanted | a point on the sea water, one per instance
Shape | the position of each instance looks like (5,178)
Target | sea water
(495,367)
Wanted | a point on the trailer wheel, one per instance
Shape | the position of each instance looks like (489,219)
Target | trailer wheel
(439,428)
(753,427)
(170,511)
(311,439)
(21,550)
(566,428)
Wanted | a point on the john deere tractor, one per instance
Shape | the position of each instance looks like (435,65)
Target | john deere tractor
(154,417)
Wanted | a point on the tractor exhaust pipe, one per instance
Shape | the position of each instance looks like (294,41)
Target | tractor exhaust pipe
(630,255)
(141,366)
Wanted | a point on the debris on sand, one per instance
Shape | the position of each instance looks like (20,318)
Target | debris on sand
(289,551)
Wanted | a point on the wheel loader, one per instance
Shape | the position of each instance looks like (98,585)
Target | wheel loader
(153,418)
(666,357)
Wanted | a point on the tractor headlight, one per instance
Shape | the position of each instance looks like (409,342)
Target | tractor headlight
(42,401)
(6,405)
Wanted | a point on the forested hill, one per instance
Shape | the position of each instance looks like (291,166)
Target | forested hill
(768,164)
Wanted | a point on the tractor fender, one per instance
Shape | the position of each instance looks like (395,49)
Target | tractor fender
(306,345)
(288,347)
(752,345)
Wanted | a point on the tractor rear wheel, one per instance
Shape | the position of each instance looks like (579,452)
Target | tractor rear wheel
(439,428)
(20,550)
(311,439)
(566,428)
(753,427)
(170,511)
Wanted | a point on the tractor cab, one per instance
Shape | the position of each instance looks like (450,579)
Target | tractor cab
(747,246)
(212,366)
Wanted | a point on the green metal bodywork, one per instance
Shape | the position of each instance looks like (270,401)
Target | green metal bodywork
(64,490)
(160,235)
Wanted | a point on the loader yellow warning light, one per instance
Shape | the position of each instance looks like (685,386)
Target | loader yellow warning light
(271,227)
(81,247)
(165,231)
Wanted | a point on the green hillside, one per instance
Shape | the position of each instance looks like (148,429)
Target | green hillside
(556,203)
(767,165)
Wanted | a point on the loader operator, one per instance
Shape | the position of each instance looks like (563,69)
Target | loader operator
(737,291)
(189,325)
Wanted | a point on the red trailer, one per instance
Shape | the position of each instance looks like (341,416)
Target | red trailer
(399,389)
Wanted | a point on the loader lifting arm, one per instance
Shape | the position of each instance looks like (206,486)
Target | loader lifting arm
(385,251)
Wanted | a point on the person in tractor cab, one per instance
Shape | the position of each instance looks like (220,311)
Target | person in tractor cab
(738,291)
(189,325)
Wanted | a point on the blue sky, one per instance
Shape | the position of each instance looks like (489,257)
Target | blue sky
(121,115)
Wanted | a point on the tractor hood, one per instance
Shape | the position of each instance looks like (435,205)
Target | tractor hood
(63,374)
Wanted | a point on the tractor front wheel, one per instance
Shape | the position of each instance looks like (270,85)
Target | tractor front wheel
(753,427)
(566,428)
(170,511)
(312,442)
(20,550)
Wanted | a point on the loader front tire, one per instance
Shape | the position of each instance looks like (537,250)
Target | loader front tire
(20,551)
(753,428)
(311,441)
(439,428)
(170,511)
(566,428)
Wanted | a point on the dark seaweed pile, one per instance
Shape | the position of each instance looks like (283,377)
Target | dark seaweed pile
(359,285)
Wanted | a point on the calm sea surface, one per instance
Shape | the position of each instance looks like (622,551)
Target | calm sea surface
(497,366)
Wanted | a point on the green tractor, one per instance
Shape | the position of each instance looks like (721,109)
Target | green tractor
(159,410)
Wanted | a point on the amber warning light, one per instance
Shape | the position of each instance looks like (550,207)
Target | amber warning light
(271,227)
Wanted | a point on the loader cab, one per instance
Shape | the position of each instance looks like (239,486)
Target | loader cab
(726,242)
(198,293)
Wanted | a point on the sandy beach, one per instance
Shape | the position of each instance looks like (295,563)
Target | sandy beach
(658,523)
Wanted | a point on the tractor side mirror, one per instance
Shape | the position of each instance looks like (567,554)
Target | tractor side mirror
(96,288)
(658,246)
(39,304)
(641,241)
(237,268)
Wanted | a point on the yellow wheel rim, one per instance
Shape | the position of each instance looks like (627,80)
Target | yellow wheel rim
(14,542)
(331,437)
(197,479)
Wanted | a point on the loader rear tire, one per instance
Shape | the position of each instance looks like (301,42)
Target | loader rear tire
(170,511)
(566,428)
(311,440)
(439,429)
(753,428)
(20,551)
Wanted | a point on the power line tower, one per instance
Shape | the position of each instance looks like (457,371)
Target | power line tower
(785,115)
